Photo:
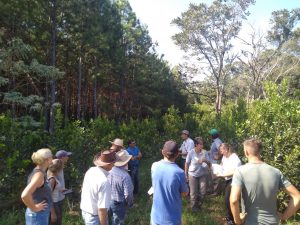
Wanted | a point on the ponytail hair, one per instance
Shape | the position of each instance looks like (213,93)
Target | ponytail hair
(40,156)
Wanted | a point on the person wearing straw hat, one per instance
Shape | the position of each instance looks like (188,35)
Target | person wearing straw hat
(121,188)
(117,145)
(96,191)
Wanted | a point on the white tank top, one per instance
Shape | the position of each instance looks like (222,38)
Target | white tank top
(57,190)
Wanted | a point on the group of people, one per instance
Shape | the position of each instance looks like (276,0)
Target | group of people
(109,187)
(255,184)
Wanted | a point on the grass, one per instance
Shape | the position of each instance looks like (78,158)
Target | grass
(211,213)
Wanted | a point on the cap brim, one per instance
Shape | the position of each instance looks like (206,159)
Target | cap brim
(100,163)
(69,153)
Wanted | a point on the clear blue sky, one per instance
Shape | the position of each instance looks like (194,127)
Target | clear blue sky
(158,14)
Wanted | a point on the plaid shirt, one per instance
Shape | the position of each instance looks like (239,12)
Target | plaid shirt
(121,185)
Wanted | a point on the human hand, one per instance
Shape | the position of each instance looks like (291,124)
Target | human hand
(241,219)
(40,206)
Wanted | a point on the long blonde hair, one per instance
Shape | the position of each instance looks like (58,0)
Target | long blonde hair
(41,155)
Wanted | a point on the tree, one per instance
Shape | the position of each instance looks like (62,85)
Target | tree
(207,33)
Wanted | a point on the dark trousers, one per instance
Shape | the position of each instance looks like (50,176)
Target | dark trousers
(227,199)
(118,212)
(134,173)
(58,207)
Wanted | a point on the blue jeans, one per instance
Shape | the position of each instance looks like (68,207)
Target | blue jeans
(118,211)
(37,218)
(90,219)
(134,173)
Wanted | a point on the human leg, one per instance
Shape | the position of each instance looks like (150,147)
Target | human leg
(202,188)
(194,191)
(90,219)
(227,200)
(118,210)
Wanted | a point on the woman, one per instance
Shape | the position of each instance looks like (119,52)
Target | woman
(56,188)
(230,161)
(196,170)
(37,194)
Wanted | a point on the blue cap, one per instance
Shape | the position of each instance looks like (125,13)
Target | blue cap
(62,153)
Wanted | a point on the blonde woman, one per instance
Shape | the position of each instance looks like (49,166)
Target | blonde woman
(37,194)
(56,188)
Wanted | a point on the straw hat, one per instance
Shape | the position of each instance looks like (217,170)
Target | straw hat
(105,158)
(122,158)
(118,142)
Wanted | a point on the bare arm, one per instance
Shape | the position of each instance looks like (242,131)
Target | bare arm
(294,203)
(139,155)
(36,181)
(102,213)
(235,204)
(186,170)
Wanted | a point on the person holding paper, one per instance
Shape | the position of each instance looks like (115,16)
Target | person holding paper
(196,171)
(230,162)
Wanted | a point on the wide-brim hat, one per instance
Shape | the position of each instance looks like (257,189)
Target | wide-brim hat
(122,158)
(118,142)
(105,158)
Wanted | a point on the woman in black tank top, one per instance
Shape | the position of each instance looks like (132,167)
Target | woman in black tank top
(37,194)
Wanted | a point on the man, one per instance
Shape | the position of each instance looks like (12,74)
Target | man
(96,191)
(58,206)
(169,185)
(259,184)
(133,164)
(214,148)
(215,184)
(121,189)
(196,170)
(186,147)
(117,145)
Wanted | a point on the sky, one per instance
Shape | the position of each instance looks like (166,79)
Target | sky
(158,14)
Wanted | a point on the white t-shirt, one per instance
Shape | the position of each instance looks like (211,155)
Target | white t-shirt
(187,146)
(230,163)
(96,191)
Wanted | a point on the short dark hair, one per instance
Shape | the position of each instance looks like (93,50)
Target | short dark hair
(198,140)
(130,141)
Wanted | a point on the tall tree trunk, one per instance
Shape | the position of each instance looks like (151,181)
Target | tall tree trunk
(52,63)
(95,105)
(121,97)
(79,85)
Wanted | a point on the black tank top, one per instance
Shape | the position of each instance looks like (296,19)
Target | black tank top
(42,193)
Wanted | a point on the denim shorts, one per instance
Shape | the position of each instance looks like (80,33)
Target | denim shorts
(37,218)
(90,219)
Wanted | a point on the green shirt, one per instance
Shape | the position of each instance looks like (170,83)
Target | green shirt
(260,185)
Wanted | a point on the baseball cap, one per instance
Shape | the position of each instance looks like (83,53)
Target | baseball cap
(170,147)
(62,153)
(185,132)
(213,131)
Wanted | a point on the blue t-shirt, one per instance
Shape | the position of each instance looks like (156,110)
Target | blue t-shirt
(134,152)
(168,182)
